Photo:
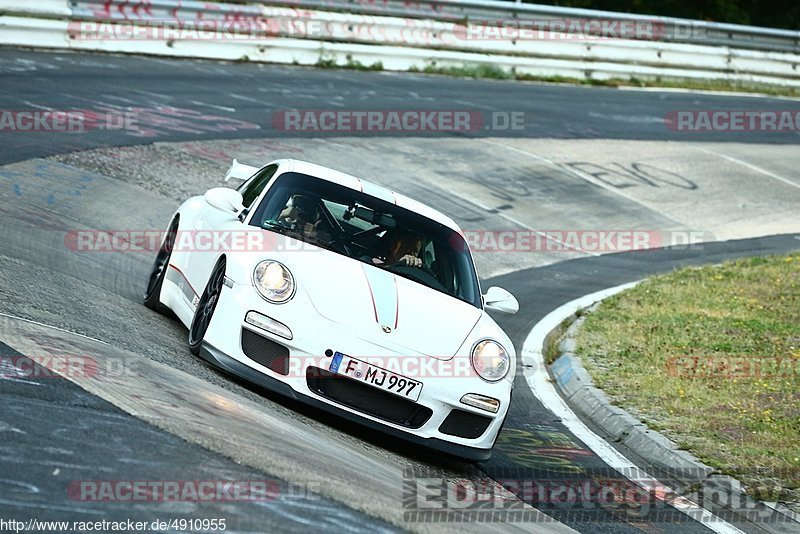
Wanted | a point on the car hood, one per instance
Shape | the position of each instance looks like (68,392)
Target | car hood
(383,308)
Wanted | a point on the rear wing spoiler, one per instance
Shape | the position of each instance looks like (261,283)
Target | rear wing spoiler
(240,171)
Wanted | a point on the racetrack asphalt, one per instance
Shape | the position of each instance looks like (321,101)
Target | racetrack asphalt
(57,435)
(215,100)
(98,296)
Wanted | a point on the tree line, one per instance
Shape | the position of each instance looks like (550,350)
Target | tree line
(772,14)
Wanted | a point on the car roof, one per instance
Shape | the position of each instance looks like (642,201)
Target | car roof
(379,191)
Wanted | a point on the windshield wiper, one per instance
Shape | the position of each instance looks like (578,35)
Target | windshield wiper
(290,232)
(277,227)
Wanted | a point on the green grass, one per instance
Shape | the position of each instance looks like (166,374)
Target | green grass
(495,73)
(552,343)
(677,352)
(492,72)
(330,63)
(713,85)
(468,71)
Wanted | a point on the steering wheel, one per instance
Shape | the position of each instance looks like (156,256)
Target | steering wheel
(427,270)
(422,267)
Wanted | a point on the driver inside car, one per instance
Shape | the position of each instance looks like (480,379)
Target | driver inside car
(404,248)
(302,215)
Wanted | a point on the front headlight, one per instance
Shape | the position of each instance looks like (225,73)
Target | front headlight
(490,360)
(273,281)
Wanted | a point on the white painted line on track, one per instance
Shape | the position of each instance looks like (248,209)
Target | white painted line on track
(685,91)
(750,166)
(20,380)
(543,389)
(37,106)
(5,427)
(119,99)
(12,316)
(213,106)
(416,96)
(245,98)
(583,176)
(151,94)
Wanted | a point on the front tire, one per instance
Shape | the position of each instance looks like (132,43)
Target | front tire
(152,293)
(206,306)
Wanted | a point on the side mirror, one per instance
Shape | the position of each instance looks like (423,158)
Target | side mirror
(224,199)
(500,300)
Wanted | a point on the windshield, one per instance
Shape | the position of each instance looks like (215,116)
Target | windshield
(371,231)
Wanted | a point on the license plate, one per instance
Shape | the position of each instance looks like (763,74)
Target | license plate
(376,376)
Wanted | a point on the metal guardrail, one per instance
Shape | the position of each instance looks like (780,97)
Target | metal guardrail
(669,29)
(258,32)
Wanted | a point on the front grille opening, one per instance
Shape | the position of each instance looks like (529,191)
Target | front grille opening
(265,352)
(367,399)
(464,424)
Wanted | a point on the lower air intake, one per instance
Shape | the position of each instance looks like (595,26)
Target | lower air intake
(265,352)
(367,399)
(464,424)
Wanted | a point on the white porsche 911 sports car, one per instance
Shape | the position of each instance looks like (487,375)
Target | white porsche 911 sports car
(345,295)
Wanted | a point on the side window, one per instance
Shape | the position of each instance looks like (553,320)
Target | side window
(255,185)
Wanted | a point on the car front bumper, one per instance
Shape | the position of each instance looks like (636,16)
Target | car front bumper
(314,341)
